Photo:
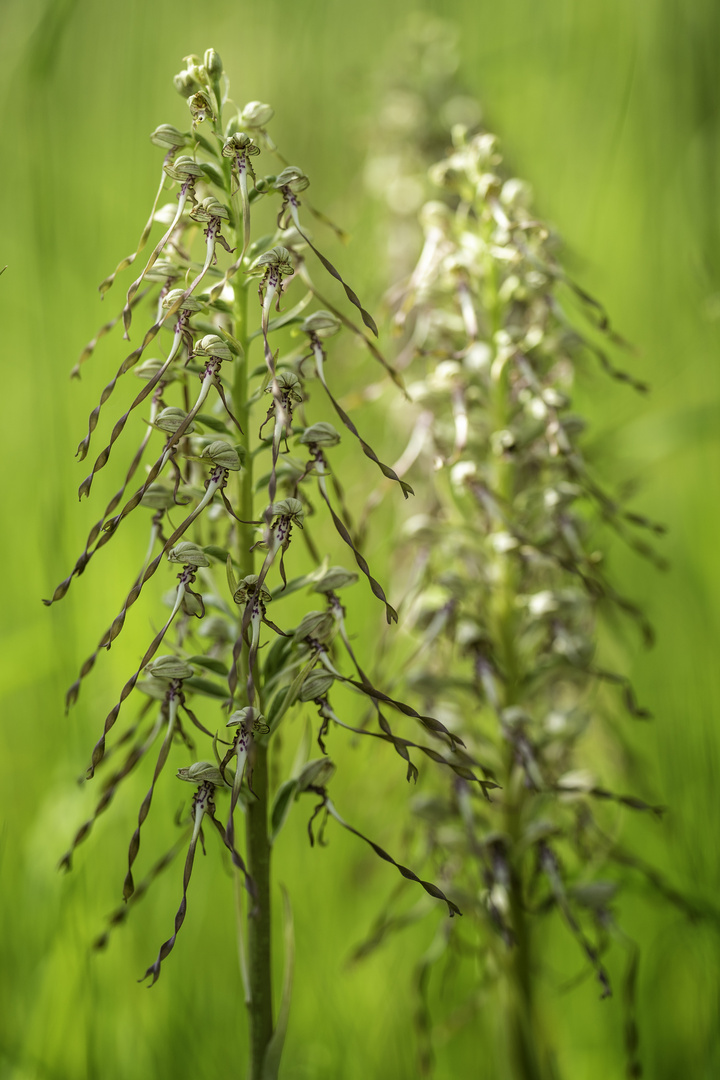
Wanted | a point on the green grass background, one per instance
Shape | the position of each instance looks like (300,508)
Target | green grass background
(611,111)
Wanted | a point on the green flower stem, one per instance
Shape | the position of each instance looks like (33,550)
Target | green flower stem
(522,1028)
(241,394)
(259,957)
(259,921)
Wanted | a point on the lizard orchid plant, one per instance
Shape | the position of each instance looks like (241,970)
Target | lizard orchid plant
(234,466)
(508,581)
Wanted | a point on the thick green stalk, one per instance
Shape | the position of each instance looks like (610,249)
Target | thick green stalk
(259,922)
(523,1031)
(259,956)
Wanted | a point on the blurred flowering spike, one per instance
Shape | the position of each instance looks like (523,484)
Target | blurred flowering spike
(504,570)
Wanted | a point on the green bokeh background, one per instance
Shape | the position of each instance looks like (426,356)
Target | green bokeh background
(611,110)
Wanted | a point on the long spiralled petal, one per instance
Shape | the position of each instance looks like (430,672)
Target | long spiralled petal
(130,259)
(127,310)
(129,883)
(366,448)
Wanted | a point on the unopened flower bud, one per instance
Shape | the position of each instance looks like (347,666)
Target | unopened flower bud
(249,718)
(502,442)
(190,303)
(595,894)
(171,419)
(335,578)
(194,65)
(212,345)
(168,136)
(316,624)
(322,434)
(316,685)
(292,178)
(188,554)
(213,64)
(435,215)
(149,368)
(163,270)
(516,194)
(182,168)
(169,667)
(185,84)
(202,772)
(256,115)
(316,774)
(158,497)
(223,454)
(218,629)
(321,323)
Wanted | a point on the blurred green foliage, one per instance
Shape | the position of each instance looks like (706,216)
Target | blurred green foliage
(611,110)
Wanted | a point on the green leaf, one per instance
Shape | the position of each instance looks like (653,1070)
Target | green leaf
(207,687)
(277,707)
(276,657)
(212,422)
(271,1064)
(217,552)
(213,173)
(286,697)
(278,593)
(231,579)
(210,663)
(282,802)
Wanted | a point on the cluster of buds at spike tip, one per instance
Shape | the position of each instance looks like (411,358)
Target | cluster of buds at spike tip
(225,501)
